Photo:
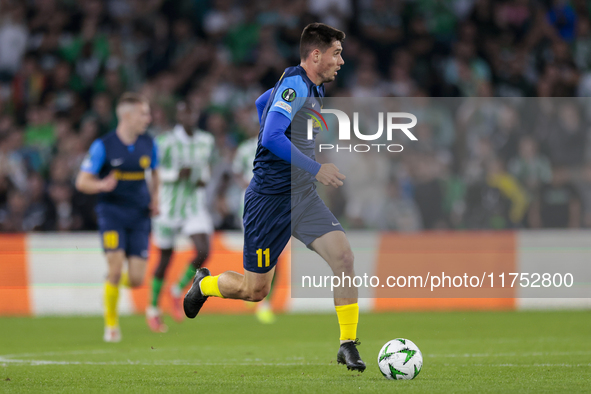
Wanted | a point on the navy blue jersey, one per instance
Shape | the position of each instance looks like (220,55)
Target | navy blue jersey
(271,174)
(129,162)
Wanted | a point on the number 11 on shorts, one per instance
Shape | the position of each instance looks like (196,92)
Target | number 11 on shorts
(260,254)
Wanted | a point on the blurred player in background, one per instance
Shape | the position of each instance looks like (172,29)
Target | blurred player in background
(115,169)
(281,199)
(184,154)
(242,167)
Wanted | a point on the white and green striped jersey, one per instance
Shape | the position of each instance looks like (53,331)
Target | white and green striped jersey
(244,159)
(181,198)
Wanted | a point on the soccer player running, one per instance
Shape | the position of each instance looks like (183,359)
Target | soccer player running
(279,203)
(184,155)
(115,169)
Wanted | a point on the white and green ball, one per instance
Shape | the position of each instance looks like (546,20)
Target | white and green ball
(400,359)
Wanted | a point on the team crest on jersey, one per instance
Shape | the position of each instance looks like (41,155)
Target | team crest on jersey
(288,95)
(145,161)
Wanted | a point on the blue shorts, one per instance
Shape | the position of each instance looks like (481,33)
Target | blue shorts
(270,221)
(124,228)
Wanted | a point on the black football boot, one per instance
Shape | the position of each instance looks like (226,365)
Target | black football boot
(349,355)
(194,299)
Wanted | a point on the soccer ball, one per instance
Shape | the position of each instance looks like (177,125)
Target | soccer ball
(400,359)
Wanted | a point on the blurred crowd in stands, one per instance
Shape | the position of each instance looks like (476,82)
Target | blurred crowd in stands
(507,163)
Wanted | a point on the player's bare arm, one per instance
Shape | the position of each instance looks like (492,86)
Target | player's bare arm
(185,173)
(154,204)
(90,184)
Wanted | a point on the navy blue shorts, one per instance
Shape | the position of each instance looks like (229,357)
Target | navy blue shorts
(270,221)
(124,228)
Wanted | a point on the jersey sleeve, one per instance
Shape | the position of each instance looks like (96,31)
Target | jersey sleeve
(284,96)
(94,160)
(154,162)
(276,141)
(261,103)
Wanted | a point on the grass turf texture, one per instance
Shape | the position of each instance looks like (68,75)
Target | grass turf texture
(463,352)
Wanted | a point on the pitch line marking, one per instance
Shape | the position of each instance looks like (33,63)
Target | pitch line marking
(524,354)
(4,360)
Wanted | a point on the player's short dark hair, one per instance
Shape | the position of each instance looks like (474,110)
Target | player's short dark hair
(318,36)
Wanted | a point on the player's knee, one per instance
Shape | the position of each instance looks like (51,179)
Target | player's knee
(259,293)
(258,296)
(159,273)
(165,256)
(202,253)
(114,277)
(344,262)
(135,280)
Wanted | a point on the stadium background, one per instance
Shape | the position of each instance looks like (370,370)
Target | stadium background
(63,64)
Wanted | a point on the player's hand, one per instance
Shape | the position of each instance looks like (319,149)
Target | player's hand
(222,207)
(108,183)
(329,175)
(154,208)
(184,173)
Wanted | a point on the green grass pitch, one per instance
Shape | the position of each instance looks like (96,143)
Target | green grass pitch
(463,352)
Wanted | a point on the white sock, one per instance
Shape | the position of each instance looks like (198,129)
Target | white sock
(176,290)
(152,311)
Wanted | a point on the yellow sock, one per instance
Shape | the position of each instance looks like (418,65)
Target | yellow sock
(124,281)
(209,286)
(111,298)
(348,316)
